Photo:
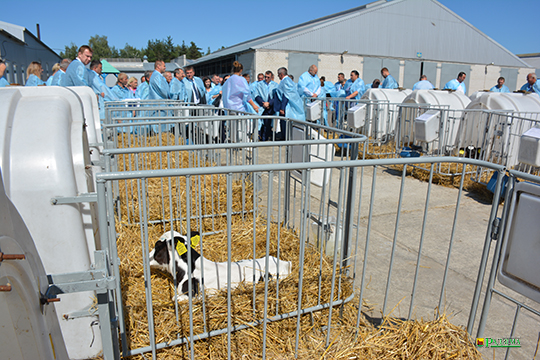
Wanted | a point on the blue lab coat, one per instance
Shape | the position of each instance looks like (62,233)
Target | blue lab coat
(76,74)
(33,80)
(236,93)
(294,107)
(309,85)
(389,83)
(455,85)
(534,88)
(158,87)
(503,89)
(423,85)
(176,89)
(188,87)
(359,86)
(142,91)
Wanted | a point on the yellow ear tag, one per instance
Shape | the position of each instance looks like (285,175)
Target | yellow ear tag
(195,241)
(181,248)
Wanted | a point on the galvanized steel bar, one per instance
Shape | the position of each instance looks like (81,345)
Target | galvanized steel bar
(267,259)
(485,252)
(451,242)
(148,284)
(288,167)
(304,195)
(422,234)
(335,257)
(497,254)
(394,242)
(511,336)
(190,267)
(229,260)
(366,249)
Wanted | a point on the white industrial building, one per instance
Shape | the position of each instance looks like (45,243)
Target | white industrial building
(409,37)
(19,48)
(533,60)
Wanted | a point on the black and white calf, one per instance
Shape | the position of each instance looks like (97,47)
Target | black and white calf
(215,273)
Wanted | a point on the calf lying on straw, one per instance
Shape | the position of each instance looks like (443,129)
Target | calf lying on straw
(215,274)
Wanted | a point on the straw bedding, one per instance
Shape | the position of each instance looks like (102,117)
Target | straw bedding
(394,339)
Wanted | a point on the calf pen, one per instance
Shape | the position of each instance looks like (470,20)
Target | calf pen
(364,245)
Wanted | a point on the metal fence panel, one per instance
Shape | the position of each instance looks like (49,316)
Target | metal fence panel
(400,245)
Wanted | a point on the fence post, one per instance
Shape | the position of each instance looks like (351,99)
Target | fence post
(107,313)
(349,207)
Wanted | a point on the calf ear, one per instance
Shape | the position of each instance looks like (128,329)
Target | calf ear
(161,253)
(194,233)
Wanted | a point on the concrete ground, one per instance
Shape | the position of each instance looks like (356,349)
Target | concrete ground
(469,239)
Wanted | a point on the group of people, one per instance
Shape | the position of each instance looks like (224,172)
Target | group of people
(263,96)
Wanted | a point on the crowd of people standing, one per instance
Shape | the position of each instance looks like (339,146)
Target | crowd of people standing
(235,92)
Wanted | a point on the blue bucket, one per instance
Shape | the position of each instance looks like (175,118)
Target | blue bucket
(407,152)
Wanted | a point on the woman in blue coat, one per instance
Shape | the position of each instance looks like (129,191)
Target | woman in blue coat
(33,74)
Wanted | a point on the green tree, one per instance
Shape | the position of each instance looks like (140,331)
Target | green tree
(181,49)
(70,52)
(101,48)
(161,49)
(208,51)
(130,52)
(194,52)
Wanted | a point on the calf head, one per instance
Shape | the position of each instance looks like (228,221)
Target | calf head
(161,257)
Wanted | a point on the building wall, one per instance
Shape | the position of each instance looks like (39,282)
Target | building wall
(330,65)
(484,77)
(18,55)
(406,71)
(270,60)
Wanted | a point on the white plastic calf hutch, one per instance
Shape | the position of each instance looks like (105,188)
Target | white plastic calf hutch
(381,118)
(29,328)
(92,121)
(450,104)
(494,123)
(46,167)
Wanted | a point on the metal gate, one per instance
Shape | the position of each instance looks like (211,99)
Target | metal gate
(353,230)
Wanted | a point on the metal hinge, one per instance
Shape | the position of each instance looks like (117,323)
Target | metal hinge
(495,229)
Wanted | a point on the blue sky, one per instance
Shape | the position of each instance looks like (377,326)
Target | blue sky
(212,23)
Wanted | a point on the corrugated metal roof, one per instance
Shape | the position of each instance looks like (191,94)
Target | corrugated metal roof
(398,28)
(15,30)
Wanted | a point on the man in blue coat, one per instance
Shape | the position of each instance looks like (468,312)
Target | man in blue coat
(120,89)
(194,87)
(357,88)
(76,73)
(97,84)
(287,101)
(158,89)
(389,81)
(177,87)
(500,87)
(532,84)
(143,90)
(423,84)
(158,86)
(57,78)
(309,84)
(457,84)
(264,96)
